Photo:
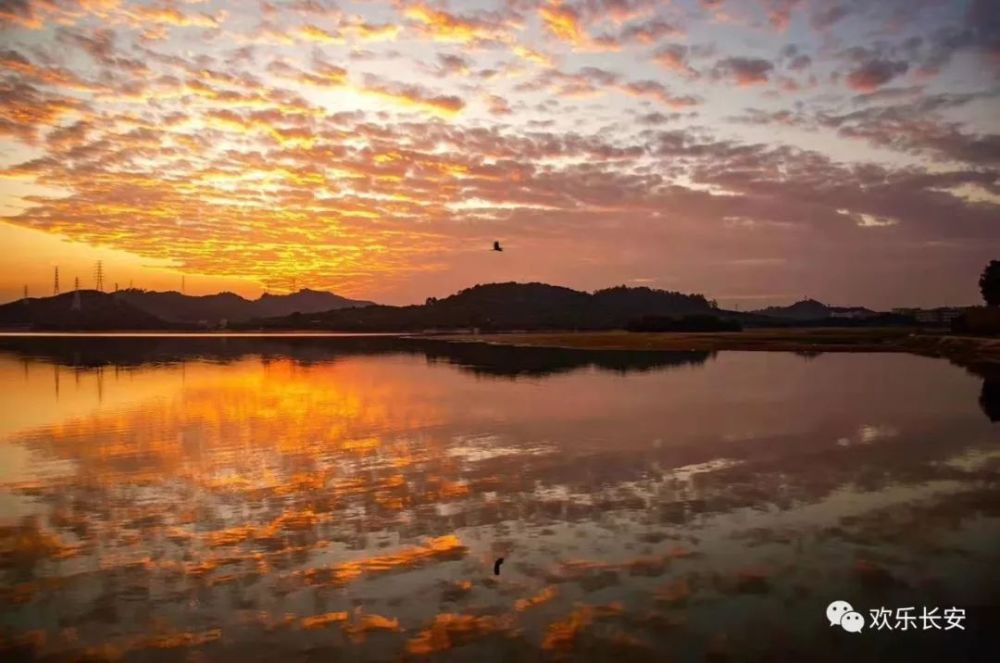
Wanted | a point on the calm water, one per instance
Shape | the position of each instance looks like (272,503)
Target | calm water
(345,498)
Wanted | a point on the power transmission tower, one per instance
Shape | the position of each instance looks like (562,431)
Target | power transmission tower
(76,283)
(99,276)
(55,284)
(182,284)
(25,292)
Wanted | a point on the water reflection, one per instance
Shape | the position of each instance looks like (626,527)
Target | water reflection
(124,351)
(257,498)
(989,395)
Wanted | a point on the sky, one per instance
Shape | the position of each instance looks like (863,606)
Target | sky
(757,152)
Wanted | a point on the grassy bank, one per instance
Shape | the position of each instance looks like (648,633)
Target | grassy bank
(962,349)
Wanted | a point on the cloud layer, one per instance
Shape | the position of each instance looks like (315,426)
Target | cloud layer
(377,148)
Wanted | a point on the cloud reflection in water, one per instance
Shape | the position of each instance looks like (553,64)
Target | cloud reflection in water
(351,494)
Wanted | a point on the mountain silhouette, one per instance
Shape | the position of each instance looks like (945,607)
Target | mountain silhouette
(810,309)
(83,310)
(133,309)
(173,306)
(504,306)
(489,307)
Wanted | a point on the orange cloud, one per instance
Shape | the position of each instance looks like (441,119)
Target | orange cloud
(441,548)
(364,31)
(33,15)
(15,62)
(674,57)
(313,33)
(413,96)
(142,15)
(449,630)
(543,596)
(531,55)
(322,74)
(444,26)
(659,92)
(325,619)
(21,13)
(564,23)
(562,634)
(24,111)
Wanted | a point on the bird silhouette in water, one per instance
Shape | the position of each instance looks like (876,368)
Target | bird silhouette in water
(497,247)
(496,566)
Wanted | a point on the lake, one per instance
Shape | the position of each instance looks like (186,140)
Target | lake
(346,498)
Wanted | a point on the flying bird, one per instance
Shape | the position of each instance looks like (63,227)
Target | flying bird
(497,247)
(496,566)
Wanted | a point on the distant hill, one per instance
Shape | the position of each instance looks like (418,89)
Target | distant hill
(504,306)
(810,309)
(84,310)
(140,309)
(489,307)
(173,306)
(807,309)
(304,301)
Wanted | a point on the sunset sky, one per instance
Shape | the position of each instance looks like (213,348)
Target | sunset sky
(757,152)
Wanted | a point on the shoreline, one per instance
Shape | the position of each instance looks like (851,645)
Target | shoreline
(167,333)
(964,350)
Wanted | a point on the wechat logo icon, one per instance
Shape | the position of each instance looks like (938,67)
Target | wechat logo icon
(840,613)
